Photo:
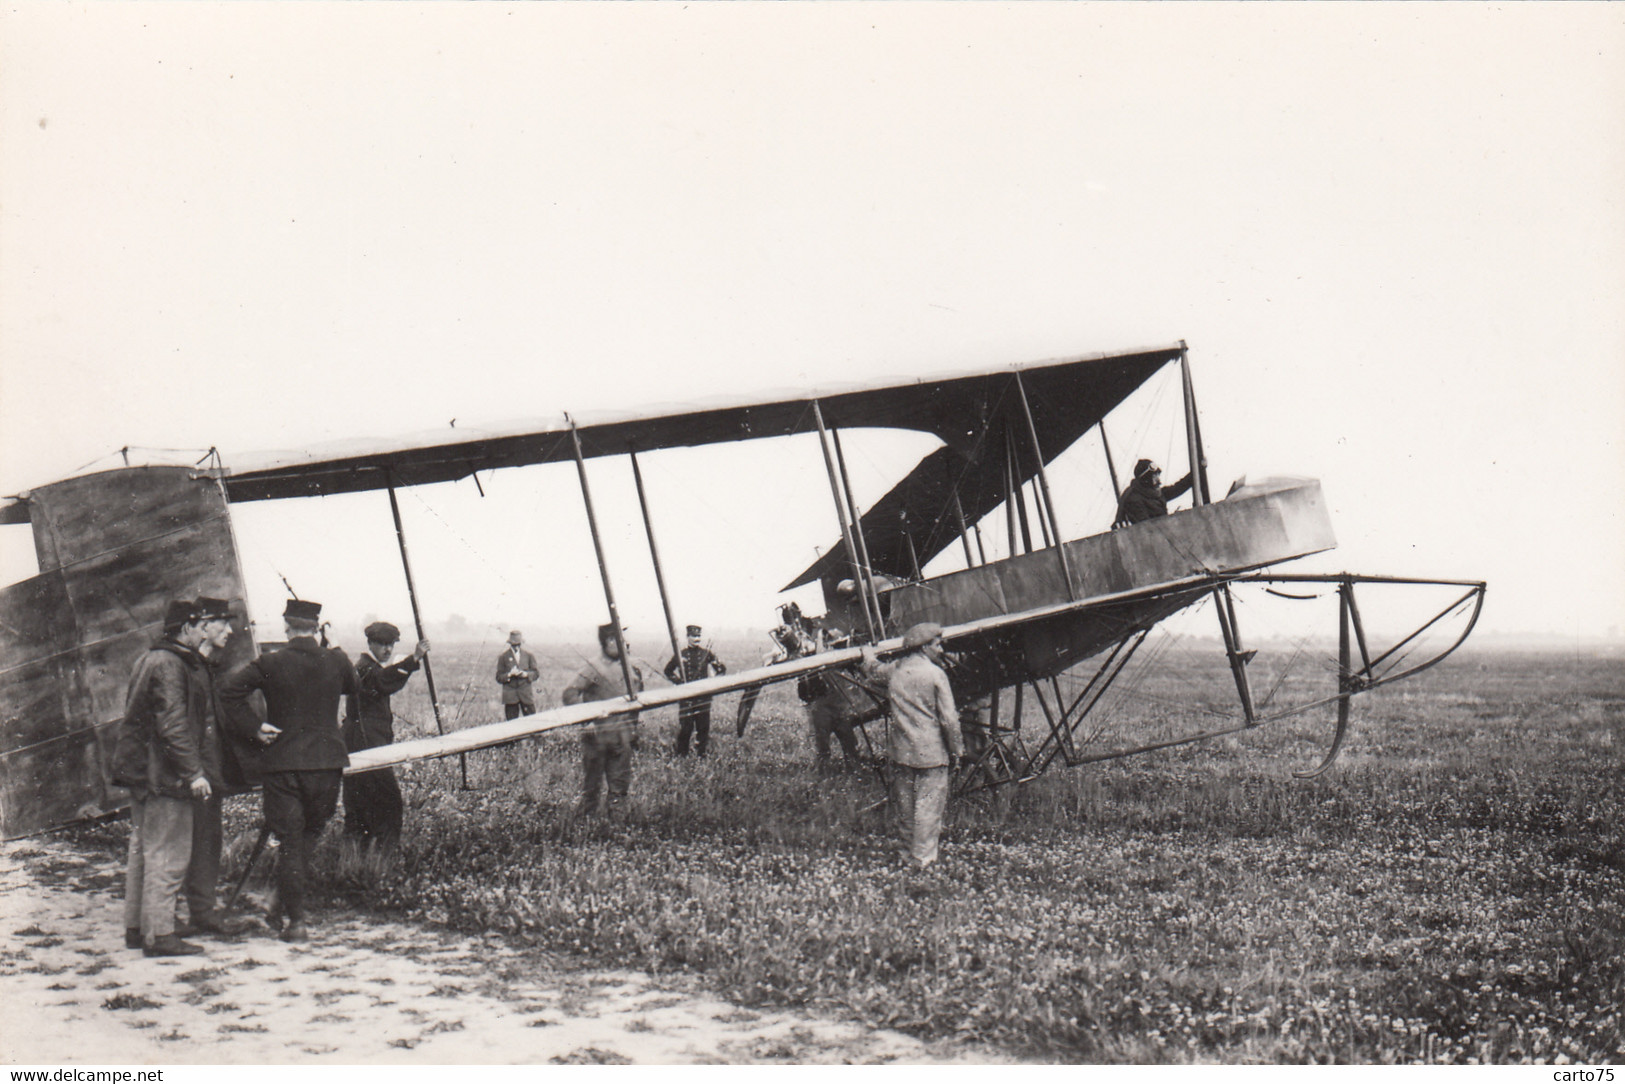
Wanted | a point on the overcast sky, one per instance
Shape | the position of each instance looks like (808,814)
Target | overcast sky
(1393,236)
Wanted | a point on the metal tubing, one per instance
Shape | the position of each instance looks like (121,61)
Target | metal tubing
(1117,490)
(964,531)
(1345,683)
(857,528)
(846,527)
(1359,631)
(417,617)
(654,555)
(598,549)
(1043,477)
(1192,441)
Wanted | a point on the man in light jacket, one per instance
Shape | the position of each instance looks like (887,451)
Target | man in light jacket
(606,745)
(923,738)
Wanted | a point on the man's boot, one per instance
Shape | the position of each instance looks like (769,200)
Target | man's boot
(296,932)
(170,945)
(132,937)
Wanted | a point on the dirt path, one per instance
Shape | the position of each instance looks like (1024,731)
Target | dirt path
(362,990)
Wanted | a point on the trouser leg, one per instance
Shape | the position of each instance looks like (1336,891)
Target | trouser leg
(848,739)
(297,806)
(391,807)
(618,772)
(930,802)
(592,772)
(685,726)
(166,845)
(702,727)
(819,715)
(902,803)
(134,863)
(511,711)
(747,703)
(203,871)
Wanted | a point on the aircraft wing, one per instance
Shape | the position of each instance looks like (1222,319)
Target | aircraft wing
(502,733)
(1067,396)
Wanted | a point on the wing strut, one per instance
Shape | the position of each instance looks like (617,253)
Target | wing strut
(417,620)
(846,525)
(603,567)
(1043,486)
(660,578)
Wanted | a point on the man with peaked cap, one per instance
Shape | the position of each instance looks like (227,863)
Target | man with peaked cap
(516,673)
(224,775)
(372,800)
(923,739)
(606,745)
(303,758)
(159,758)
(694,663)
(1146,497)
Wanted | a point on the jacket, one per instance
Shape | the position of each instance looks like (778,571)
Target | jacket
(693,664)
(370,720)
(1142,500)
(160,746)
(924,730)
(602,679)
(517,690)
(302,684)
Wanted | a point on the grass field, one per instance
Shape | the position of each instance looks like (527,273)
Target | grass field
(1453,891)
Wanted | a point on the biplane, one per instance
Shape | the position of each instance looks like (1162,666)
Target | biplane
(115,545)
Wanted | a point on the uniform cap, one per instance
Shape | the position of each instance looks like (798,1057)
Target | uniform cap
(302,609)
(382,632)
(606,631)
(921,634)
(179,612)
(694,630)
(211,608)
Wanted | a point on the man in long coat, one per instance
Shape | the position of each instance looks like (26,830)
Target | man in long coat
(372,800)
(304,757)
(159,758)
(225,777)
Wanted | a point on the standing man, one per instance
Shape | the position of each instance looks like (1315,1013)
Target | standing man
(694,663)
(516,671)
(606,745)
(1146,497)
(224,776)
(304,758)
(923,739)
(158,758)
(372,800)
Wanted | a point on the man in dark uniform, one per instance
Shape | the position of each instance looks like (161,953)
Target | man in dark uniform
(694,663)
(303,760)
(606,745)
(157,757)
(372,800)
(225,778)
(1146,497)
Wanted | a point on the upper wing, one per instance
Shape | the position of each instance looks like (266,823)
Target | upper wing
(1067,397)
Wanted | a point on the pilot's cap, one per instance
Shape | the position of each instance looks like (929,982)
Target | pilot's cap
(606,632)
(210,609)
(302,609)
(921,634)
(382,632)
(178,613)
(1143,467)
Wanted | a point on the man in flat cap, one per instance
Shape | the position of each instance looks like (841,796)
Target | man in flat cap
(516,673)
(1146,497)
(694,663)
(923,739)
(303,757)
(372,800)
(159,758)
(606,745)
(225,777)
